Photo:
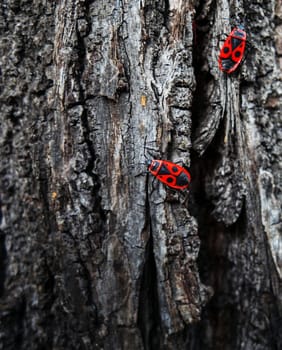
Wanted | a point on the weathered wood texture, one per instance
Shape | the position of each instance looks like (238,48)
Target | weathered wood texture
(94,253)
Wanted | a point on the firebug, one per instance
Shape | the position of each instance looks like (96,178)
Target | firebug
(232,51)
(171,174)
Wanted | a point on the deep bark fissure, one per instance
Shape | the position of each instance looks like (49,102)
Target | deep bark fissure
(90,168)
(148,308)
(3,262)
(148,314)
(221,311)
(274,309)
(20,314)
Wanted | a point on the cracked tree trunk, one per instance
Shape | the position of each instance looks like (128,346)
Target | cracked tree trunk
(95,254)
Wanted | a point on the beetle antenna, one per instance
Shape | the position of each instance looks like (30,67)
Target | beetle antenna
(152,151)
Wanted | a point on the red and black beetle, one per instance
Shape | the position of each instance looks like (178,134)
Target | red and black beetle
(171,174)
(232,51)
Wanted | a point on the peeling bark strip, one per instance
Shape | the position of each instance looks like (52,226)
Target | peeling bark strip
(93,253)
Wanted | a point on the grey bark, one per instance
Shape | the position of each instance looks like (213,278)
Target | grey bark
(94,253)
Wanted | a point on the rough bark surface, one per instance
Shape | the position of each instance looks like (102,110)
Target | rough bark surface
(95,254)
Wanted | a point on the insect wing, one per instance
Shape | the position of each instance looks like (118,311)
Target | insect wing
(173,175)
(232,51)
(226,49)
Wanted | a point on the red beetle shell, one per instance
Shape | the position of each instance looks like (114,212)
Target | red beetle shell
(171,174)
(232,51)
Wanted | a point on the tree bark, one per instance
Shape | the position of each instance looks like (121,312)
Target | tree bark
(95,253)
